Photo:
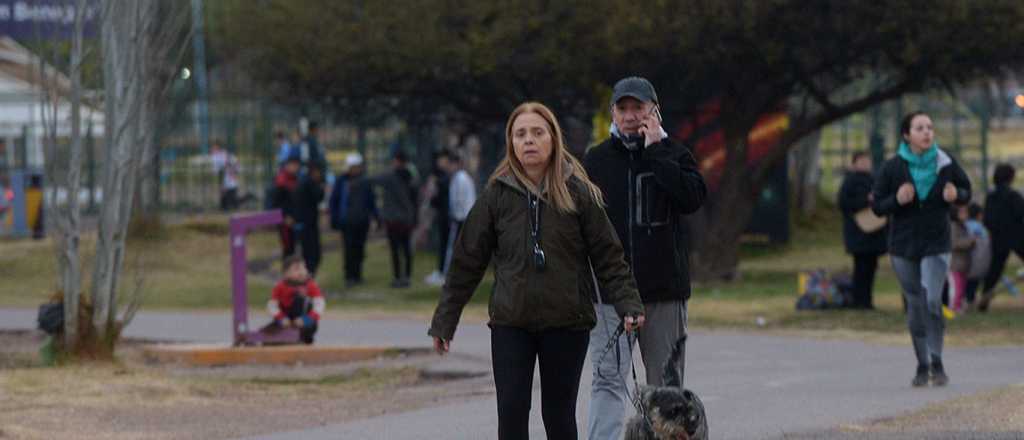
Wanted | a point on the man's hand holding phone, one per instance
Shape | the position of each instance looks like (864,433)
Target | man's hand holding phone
(650,127)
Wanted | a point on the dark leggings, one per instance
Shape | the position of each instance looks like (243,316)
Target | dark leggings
(309,236)
(1000,253)
(400,239)
(561,353)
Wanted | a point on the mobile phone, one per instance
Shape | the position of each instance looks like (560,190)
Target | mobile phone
(656,112)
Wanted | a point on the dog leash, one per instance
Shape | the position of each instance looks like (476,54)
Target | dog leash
(636,399)
(613,341)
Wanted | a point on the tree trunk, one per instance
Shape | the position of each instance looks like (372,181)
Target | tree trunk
(122,79)
(806,158)
(726,214)
(71,276)
(724,218)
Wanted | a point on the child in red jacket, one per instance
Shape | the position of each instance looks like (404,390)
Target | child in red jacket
(296,300)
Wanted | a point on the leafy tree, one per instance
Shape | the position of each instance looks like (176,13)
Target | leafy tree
(476,60)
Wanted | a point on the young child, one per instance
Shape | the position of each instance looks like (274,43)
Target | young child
(981,255)
(296,300)
(960,263)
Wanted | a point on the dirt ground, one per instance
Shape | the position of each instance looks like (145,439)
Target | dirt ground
(132,399)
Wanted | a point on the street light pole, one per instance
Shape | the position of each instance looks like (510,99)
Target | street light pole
(199,53)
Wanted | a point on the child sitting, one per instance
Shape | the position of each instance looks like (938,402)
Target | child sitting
(296,300)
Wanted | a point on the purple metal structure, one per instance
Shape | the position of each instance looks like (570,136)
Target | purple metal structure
(240,225)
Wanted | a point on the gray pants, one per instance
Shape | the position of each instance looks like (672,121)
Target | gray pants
(610,394)
(922,281)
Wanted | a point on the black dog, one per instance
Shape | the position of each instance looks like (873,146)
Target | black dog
(670,411)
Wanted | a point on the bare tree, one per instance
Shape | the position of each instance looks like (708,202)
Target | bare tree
(122,45)
(64,173)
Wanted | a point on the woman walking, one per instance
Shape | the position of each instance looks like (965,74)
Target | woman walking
(541,221)
(916,189)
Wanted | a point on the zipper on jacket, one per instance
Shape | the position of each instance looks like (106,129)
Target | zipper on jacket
(629,221)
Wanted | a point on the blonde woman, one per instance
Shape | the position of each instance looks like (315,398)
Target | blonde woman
(540,221)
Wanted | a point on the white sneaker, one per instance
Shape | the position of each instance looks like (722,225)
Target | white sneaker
(434,279)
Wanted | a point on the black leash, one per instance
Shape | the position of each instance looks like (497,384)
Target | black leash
(637,398)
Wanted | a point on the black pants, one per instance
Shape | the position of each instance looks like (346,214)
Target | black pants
(1000,253)
(443,229)
(561,353)
(309,237)
(287,235)
(864,268)
(301,305)
(354,238)
(230,201)
(400,239)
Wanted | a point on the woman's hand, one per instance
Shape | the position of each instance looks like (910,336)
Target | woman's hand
(905,194)
(949,192)
(441,346)
(631,323)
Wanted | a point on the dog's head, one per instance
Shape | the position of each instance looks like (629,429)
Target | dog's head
(675,413)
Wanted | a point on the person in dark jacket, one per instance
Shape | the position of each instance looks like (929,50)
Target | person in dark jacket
(540,221)
(352,208)
(915,190)
(649,182)
(1004,218)
(866,247)
(308,195)
(439,202)
(283,198)
(398,212)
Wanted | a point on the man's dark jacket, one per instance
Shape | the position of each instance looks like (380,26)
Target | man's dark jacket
(853,198)
(646,192)
(1004,217)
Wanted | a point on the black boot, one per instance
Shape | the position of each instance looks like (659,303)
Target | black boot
(939,377)
(921,378)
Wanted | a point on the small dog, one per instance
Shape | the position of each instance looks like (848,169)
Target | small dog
(672,412)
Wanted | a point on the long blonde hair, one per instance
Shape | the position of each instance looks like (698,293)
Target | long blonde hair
(561,164)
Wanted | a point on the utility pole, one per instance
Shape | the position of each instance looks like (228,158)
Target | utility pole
(199,50)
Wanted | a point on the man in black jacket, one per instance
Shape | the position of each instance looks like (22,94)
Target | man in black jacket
(866,247)
(649,181)
(1004,218)
(308,195)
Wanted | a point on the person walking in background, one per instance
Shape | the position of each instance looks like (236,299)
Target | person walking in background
(865,246)
(284,147)
(308,195)
(915,189)
(461,198)
(283,198)
(352,208)
(1004,218)
(981,254)
(963,243)
(439,201)
(649,182)
(310,150)
(539,220)
(398,212)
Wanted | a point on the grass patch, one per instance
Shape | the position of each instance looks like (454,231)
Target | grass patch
(185,268)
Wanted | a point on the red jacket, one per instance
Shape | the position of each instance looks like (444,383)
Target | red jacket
(284,293)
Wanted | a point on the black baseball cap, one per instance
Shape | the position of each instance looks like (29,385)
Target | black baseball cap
(634,87)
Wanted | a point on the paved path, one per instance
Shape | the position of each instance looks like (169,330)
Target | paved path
(754,386)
